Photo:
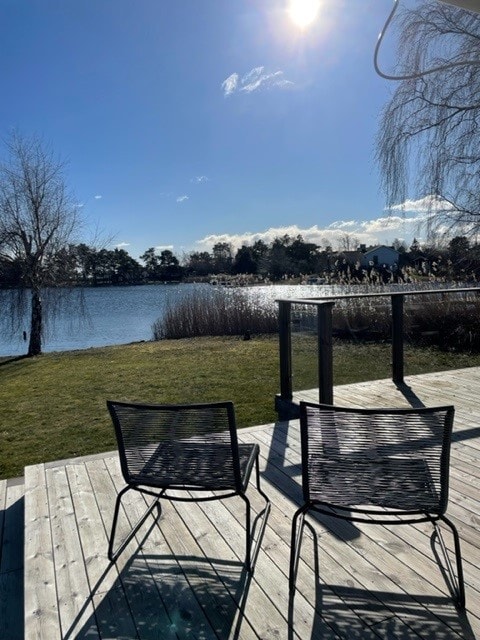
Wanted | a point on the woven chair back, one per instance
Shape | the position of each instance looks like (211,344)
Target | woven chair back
(177,446)
(388,458)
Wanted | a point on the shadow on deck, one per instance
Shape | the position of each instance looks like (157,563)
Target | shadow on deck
(184,577)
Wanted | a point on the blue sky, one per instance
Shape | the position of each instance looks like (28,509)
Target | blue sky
(189,122)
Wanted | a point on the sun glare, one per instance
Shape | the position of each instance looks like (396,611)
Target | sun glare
(303,12)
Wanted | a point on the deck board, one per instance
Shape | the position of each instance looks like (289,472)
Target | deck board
(41,604)
(11,560)
(183,576)
(71,579)
(371,554)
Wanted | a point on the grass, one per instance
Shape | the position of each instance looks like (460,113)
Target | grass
(361,361)
(53,406)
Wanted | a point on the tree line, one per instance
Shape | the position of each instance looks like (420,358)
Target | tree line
(80,264)
(285,258)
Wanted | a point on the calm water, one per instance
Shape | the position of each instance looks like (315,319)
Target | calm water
(119,315)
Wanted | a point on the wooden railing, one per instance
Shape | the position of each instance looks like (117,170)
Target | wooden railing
(284,404)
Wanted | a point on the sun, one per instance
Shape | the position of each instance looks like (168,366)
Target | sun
(303,12)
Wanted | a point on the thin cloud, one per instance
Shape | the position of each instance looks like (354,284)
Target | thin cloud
(254,80)
(200,179)
(344,225)
(428,204)
(260,79)
(182,198)
(437,216)
(229,85)
(164,247)
(122,245)
(98,197)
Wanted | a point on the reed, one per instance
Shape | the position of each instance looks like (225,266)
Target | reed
(451,323)
(218,312)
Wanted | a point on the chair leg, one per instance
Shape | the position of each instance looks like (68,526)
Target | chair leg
(266,512)
(460,596)
(259,489)
(296,541)
(250,558)
(248,533)
(113,555)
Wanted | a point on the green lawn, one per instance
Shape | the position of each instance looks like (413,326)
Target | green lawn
(53,406)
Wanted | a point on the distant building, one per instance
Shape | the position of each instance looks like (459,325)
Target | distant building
(351,257)
(380,256)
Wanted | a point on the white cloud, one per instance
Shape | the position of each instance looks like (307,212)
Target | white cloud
(229,85)
(255,79)
(428,204)
(253,74)
(382,230)
(268,80)
(438,214)
(164,247)
(388,223)
(344,225)
(122,245)
(98,197)
(200,179)
(182,198)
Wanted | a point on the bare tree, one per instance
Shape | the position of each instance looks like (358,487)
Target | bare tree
(429,140)
(38,217)
(348,242)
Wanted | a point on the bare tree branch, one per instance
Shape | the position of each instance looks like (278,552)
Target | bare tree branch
(428,142)
(38,217)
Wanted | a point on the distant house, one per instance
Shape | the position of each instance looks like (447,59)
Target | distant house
(350,257)
(380,256)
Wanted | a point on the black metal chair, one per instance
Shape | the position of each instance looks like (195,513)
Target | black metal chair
(189,448)
(383,466)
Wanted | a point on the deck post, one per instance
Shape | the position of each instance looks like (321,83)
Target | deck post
(325,353)
(397,338)
(285,344)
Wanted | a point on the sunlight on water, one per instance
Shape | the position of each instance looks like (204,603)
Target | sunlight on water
(120,315)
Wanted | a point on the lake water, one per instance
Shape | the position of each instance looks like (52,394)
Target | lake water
(120,315)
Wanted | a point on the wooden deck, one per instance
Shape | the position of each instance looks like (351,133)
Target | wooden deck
(185,578)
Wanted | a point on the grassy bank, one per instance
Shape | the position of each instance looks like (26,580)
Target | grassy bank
(53,406)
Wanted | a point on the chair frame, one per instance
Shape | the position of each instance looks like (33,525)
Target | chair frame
(376,515)
(159,492)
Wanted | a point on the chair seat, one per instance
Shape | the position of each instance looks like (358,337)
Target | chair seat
(189,465)
(386,482)
(381,466)
(192,448)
